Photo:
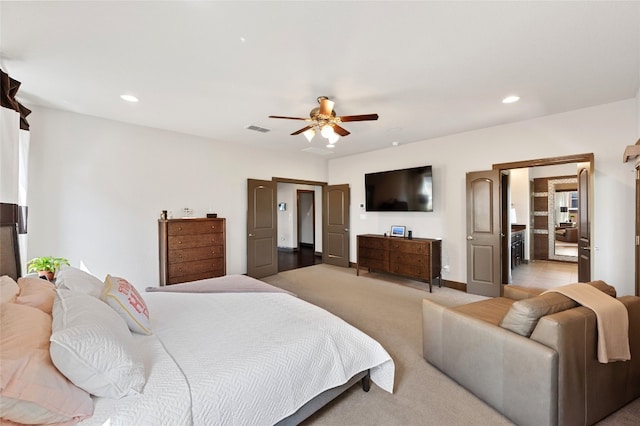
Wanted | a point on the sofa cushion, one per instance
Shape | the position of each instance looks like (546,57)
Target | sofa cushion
(524,314)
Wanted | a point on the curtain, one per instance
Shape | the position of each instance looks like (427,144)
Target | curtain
(14,155)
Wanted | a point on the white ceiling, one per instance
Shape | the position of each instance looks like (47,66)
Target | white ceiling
(427,68)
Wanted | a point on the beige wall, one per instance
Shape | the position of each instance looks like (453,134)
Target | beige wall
(603,130)
(97,188)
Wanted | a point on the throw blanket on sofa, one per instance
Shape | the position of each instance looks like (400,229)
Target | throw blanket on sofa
(612,320)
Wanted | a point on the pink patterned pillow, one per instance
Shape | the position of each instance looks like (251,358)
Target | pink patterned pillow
(33,390)
(125,299)
(36,292)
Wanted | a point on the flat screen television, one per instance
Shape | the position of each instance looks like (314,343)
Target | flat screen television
(409,190)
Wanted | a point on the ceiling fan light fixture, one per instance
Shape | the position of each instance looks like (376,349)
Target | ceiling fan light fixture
(327,131)
(333,138)
(309,134)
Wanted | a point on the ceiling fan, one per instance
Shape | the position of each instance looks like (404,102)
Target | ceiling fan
(323,119)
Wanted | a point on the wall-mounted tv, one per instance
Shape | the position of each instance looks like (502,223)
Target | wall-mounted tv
(409,190)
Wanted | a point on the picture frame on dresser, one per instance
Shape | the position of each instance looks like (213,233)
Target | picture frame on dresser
(398,231)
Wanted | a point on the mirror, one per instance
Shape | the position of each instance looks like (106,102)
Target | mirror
(563,219)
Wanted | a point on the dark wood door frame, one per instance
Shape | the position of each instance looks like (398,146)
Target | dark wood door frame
(637,239)
(551,161)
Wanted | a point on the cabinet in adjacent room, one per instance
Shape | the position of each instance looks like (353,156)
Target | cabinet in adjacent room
(517,245)
(191,249)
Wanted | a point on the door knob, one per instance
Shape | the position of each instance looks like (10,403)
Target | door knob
(251,235)
(469,237)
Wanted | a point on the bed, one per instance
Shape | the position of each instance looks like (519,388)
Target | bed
(234,350)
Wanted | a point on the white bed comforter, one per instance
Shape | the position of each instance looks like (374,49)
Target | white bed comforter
(245,359)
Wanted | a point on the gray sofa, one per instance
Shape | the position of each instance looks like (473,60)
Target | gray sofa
(551,377)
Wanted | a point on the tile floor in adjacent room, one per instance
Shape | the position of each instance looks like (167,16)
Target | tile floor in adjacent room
(544,274)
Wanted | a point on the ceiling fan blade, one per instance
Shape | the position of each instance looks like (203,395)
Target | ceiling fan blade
(326,106)
(340,130)
(288,118)
(304,129)
(363,117)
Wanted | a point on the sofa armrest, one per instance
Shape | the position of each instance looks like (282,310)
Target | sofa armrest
(588,389)
(515,375)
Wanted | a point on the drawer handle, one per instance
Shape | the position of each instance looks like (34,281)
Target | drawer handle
(179,242)
(179,228)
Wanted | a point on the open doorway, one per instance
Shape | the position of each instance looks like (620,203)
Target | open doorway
(548,207)
(299,225)
(263,236)
(543,217)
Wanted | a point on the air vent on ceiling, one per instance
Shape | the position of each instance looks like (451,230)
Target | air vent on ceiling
(258,129)
(318,151)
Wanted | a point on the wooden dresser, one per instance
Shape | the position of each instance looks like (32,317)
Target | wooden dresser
(418,258)
(191,249)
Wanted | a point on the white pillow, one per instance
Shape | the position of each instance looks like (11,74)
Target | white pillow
(75,279)
(92,346)
(127,302)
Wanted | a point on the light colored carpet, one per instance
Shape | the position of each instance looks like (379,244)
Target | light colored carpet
(389,309)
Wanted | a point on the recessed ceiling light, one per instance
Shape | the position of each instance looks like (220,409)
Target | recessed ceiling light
(395,143)
(129,98)
(511,99)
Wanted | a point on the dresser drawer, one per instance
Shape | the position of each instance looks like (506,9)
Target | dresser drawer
(409,259)
(176,242)
(380,265)
(194,227)
(195,267)
(403,246)
(373,242)
(373,253)
(414,271)
(197,253)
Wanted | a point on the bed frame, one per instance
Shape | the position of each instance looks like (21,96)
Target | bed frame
(364,377)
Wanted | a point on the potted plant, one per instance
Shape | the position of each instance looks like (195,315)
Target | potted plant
(46,266)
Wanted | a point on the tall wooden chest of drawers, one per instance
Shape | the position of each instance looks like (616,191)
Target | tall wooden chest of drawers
(418,258)
(191,249)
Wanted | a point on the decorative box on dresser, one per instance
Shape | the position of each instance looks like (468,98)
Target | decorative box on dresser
(191,249)
(417,258)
